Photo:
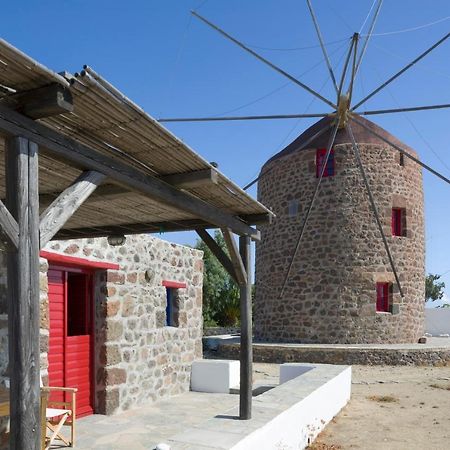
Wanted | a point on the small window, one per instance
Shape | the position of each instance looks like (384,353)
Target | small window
(401,159)
(398,222)
(172,307)
(384,291)
(293,208)
(321,154)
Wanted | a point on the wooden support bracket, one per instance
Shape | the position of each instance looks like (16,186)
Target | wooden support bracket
(9,226)
(60,211)
(239,268)
(218,252)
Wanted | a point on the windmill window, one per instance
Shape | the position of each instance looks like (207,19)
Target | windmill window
(401,159)
(384,295)
(321,154)
(293,206)
(398,222)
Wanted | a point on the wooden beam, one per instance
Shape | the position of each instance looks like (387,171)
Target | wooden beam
(135,228)
(9,227)
(217,252)
(246,345)
(43,102)
(257,219)
(79,155)
(22,201)
(193,179)
(235,257)
(60,211)
(102,193)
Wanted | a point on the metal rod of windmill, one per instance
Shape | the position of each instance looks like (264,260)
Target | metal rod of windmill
(373,205)
(401,150)
(264,60)
(368,36)
(301,147)
(400,72)
(310,206)
(322,45)
(234,118)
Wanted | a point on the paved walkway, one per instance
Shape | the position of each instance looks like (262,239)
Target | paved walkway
(145,427)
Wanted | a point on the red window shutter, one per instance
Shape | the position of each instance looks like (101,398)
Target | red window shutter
(383,297)
(321,153)
(397,225)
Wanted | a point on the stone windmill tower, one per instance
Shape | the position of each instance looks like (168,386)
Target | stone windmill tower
(340,287)
(343,262)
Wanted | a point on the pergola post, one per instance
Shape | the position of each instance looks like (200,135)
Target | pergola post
(22,200)
(246,351)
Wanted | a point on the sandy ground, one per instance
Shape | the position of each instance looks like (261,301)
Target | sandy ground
(392,408)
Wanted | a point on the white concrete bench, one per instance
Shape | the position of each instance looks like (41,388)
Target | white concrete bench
(288,371)
(214,375)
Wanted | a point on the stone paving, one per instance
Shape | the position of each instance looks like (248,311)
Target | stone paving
(145,427)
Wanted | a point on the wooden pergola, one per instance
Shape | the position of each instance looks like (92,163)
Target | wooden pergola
(81,160)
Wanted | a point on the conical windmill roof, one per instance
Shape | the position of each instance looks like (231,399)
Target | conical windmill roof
(362,136)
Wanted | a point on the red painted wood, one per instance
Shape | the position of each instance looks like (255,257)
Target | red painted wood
(56,354)
(397,222)
(321,153)
(383,297)
(173,284)
(75,261)
(70,344)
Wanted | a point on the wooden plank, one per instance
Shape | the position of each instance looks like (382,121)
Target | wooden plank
(192,179)
(135,228)
(246,349)
(238,264)
(9,227)
(103,192)
(57,214)
(217,252)
(67,149)
(23,294)
(43,102)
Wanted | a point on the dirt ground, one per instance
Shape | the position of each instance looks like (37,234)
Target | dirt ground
(391,408)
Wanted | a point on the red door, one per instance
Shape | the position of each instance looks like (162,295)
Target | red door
(70,343)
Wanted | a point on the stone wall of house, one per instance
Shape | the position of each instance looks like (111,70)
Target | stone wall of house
(330,296)
(137,357)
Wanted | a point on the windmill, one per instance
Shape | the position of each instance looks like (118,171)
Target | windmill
(345,114)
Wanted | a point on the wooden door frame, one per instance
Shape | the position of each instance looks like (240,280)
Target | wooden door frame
(90,282)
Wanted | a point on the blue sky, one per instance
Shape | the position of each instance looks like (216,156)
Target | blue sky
(173,65)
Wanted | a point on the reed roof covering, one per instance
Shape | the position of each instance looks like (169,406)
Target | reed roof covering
(104,120)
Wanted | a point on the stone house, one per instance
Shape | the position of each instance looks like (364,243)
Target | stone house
(121,323)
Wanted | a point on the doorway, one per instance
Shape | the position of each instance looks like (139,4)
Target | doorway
(71,343)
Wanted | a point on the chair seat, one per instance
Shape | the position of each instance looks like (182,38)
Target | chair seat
(54,412)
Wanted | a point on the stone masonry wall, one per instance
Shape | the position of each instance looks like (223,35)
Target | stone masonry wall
(330,296)
(137,357)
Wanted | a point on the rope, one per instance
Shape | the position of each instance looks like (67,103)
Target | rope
(413,126)
(407,30)
(368,15)
(279,88)
(403,60)
(291,49)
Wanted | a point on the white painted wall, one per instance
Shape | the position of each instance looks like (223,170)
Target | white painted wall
(437,321)
(299,425)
